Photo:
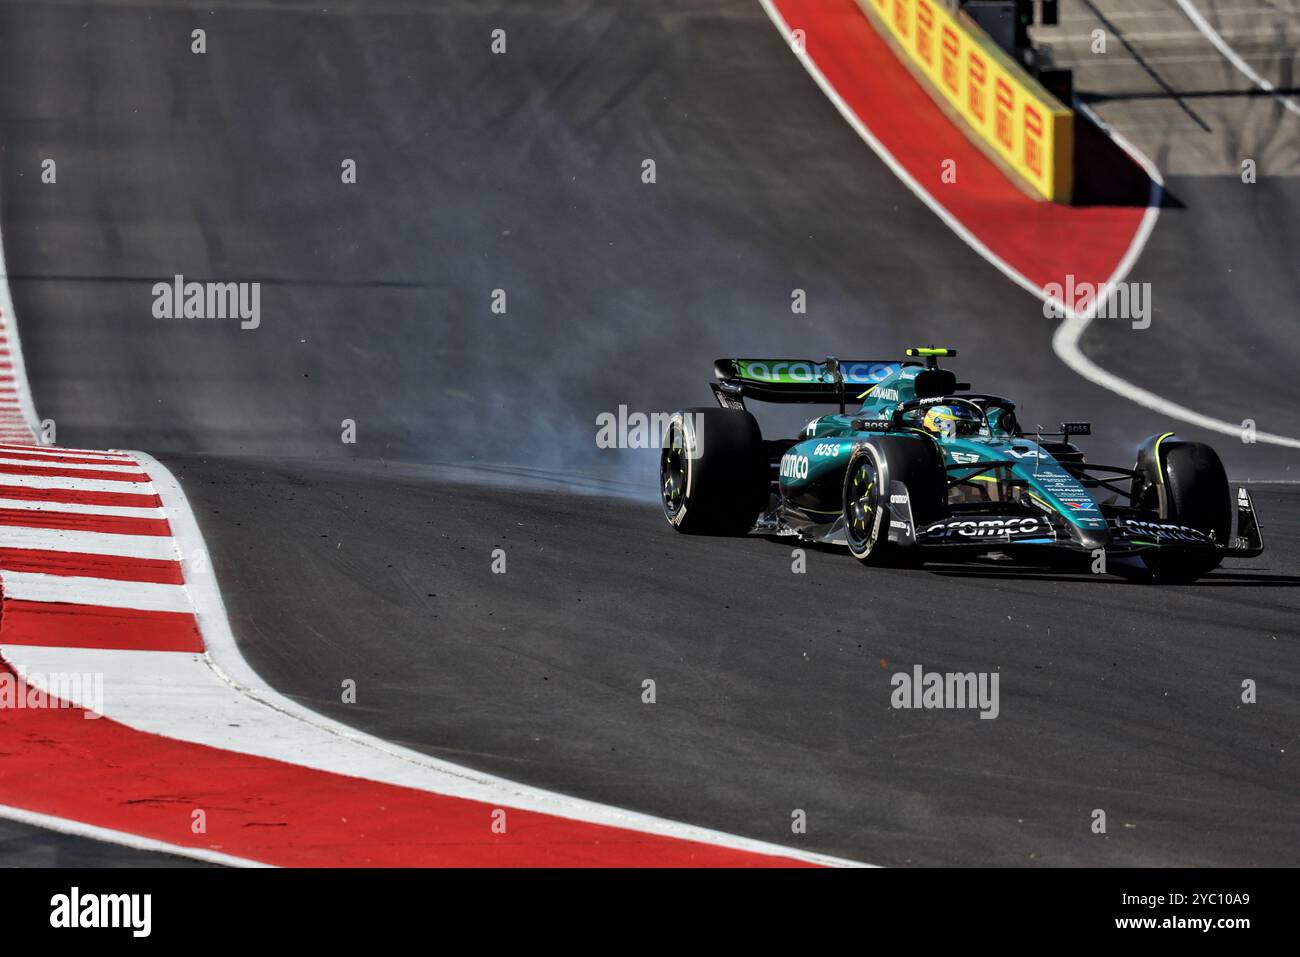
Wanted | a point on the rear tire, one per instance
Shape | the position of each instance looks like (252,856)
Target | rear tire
(1196,495)
(713,472)
(872,468)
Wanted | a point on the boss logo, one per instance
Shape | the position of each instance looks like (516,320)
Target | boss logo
(828,450)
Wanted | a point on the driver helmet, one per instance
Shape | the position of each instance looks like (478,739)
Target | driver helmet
(949,421)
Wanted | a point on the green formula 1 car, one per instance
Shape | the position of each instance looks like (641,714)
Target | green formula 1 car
(927,470)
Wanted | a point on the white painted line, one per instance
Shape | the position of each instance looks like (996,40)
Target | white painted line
(9,330)
(53,450)
(103,592)
(76,508)
(42,463)
(287,731)
(1235,59)
(155,547)
(77,829)
(1065,341)
(1273,8)
(72,484)
(921,193)
(1158,36)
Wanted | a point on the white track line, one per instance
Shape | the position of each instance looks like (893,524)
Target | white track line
(9,329)
(43,463)
(951,221)
(55,452)
(152,547)
(77,829)
(1065,342)
(1231,55)
(1066,339)
(99,592)
(76,508)
(47,482)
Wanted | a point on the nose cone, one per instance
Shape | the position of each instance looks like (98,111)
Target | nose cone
(1091,537)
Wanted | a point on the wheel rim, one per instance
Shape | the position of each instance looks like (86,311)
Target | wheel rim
(672,471)
(860,503)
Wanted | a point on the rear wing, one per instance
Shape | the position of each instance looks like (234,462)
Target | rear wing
(799,380)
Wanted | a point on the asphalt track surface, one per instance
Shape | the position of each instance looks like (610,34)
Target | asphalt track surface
(29,846)
(372,561)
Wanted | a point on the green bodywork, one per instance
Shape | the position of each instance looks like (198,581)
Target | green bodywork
(827,442)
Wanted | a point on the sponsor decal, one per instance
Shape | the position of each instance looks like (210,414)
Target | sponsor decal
(898,499)
(1005,101)
(924,32)
(874,425)
(889,395)
(997,101)
(965,458)
(988,528)
(828,450)
(976,75)
(902,17)
(783,371)
(1167,531)
(1033,140)
(794,466)
(951,48)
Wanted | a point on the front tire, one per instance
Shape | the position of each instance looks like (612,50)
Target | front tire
(1195,494)
(871,470)
(713,472)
